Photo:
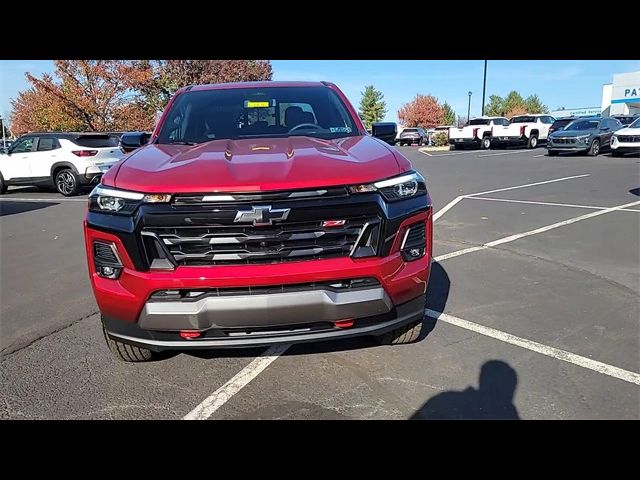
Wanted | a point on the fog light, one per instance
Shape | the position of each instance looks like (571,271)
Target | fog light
(411,254)
(109,272)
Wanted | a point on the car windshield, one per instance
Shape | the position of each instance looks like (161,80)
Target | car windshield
(525,119)
(410,130)
(205,115)
(479,121)
(583,125)
(636,123)
(560,124)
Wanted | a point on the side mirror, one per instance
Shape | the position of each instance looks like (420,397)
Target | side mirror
(385,131)
(133,140)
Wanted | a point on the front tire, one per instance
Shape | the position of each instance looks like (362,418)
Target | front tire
(67,182)
(126,352)
(486,143)
(533,141)
(594,149)
(405,334)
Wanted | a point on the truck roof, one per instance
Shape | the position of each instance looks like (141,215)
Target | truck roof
(264,84)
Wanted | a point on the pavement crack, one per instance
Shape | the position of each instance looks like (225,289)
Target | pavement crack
(19,345)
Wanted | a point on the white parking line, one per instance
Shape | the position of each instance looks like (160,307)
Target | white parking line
(529,185)
(529,202)
(600,367)
(221,396)
(546,228)
(448,154)
(503,153)
(447,207)
(541,155)
(453,202)
(42,199)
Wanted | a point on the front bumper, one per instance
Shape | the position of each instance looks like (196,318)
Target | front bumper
(620,147)
(133,334)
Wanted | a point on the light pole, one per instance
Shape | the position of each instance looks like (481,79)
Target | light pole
(469,109)
(4,140)
(484,85)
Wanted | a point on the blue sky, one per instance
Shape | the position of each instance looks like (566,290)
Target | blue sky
(559,83)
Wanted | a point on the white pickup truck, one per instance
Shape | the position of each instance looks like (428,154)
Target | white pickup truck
(524,130)
(477,133)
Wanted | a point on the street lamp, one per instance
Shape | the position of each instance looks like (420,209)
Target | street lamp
(469,108)
(4,140)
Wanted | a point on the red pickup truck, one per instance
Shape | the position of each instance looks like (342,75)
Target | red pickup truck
(258,213)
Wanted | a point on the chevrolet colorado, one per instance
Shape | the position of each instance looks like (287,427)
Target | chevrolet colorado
(258,213)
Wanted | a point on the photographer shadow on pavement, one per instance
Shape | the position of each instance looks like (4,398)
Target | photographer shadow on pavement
(493,400)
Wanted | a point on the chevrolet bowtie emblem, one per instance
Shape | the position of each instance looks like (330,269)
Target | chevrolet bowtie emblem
(262,215)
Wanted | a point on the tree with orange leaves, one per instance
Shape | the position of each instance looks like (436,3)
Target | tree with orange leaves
(423,111)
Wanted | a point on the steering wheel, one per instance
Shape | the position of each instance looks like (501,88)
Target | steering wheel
(312,125)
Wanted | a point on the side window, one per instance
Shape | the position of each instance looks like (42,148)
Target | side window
(47,143)
(23,146)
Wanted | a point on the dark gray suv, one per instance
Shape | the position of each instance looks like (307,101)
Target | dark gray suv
(412,135)
(591,134)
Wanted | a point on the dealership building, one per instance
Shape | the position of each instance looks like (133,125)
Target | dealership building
(622,97)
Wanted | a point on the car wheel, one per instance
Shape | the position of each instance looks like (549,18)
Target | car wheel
(67,182)
(420,142)
(486,143)
(533,141)
(3,186)
(405,334)
(594,150)
(125,352)
(552,153)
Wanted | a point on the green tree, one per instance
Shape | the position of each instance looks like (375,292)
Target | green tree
(448,115)
(514,104)
(533,104)
(372,106)
(495,106)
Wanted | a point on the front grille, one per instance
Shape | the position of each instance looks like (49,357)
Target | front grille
(564,140)
(247,244)
(629,138)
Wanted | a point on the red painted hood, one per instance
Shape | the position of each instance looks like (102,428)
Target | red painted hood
(255,165)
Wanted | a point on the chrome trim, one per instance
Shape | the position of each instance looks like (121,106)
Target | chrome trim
(218,198)
(164,249)
(355,244)
(113,248)
(404,240)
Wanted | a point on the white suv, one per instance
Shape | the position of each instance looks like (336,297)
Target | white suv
(64,160)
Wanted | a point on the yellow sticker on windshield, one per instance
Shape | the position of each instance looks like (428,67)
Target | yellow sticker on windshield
(251,104)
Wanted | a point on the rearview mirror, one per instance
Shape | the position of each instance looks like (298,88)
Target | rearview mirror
(133,140)
(385,131)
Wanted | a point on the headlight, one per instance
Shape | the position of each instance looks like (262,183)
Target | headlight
(405,186)
(105,199)
(614,139)
(584,138)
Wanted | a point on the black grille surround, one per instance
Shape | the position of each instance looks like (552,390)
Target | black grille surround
(147,253)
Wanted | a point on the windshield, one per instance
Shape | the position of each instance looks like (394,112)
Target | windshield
(479,121)
(205,115)
(636,123)
(583,125)
(526,119)
(560,124)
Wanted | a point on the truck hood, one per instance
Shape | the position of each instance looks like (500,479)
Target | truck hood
(250,165)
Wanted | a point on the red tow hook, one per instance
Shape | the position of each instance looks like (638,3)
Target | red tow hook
(344,323)
(189,334)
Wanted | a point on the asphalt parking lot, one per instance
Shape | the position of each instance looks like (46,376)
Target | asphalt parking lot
(533,313)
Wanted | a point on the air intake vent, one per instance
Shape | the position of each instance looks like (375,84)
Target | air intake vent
(104,254)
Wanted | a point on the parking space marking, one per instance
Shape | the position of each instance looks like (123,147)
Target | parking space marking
(448,154)
(453,202)
(563,355)
(503,153)
(45,199)
(529,202)
(541,155)
(447,207)
(546,228)
(529,185)
(222,395)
